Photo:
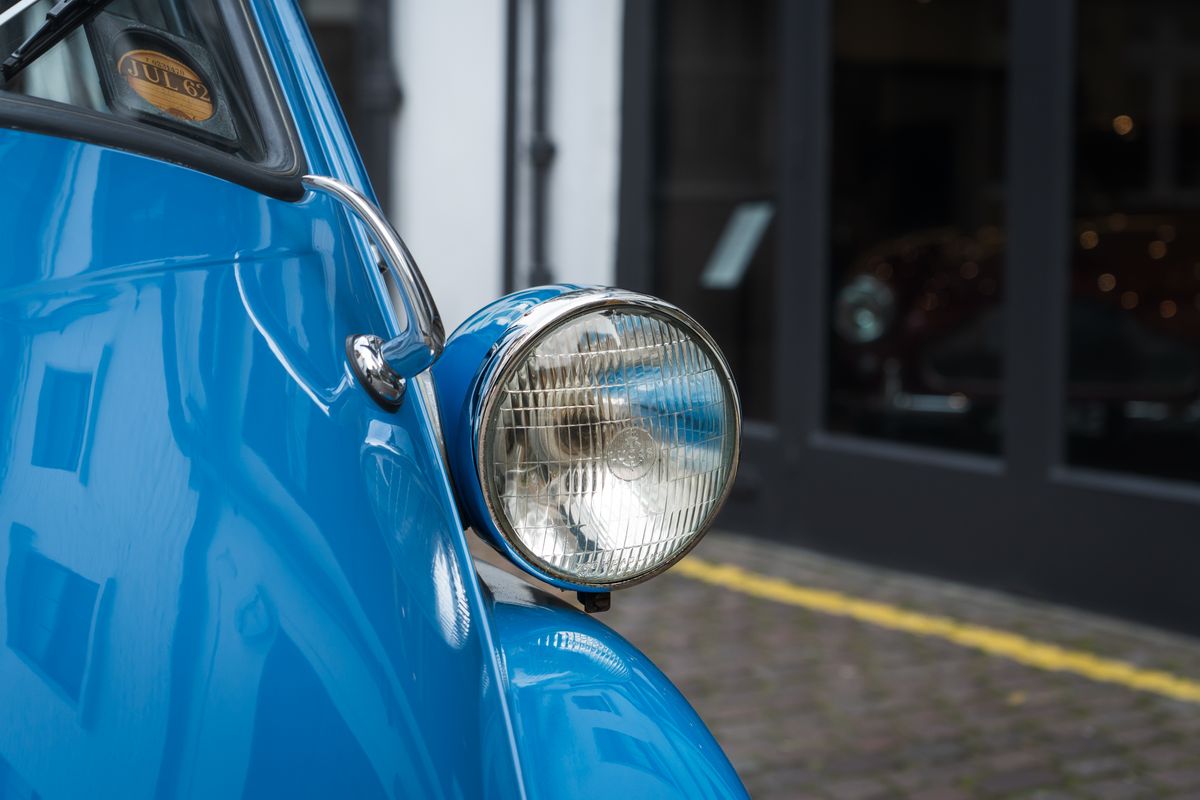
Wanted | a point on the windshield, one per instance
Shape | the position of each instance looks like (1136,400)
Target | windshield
(164,63)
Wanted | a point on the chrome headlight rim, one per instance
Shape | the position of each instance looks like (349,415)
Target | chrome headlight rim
(527,332)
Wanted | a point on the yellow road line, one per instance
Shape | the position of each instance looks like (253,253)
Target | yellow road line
(992,641)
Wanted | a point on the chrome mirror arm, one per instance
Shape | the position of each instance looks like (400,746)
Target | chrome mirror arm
(383,367)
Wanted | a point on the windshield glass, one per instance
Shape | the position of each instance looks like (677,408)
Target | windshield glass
(164,63)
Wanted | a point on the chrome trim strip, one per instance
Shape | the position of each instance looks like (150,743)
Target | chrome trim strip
(523,334)
(427,388)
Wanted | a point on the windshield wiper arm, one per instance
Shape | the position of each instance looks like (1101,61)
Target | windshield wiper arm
(64,17)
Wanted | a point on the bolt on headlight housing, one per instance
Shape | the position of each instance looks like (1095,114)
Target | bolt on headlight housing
(599,436)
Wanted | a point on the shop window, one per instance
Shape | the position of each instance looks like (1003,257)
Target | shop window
(50,612)
(917,236)
(12,787)
(302,745)
(616,747)
(715,189)
(62,419)
(1133,384)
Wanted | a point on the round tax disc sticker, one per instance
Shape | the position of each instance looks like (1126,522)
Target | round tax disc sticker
(167,84)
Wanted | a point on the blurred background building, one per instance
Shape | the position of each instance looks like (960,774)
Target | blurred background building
(949,246)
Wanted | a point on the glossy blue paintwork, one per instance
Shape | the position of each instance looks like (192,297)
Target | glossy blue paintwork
(274,565)
(226,572)
(624,728)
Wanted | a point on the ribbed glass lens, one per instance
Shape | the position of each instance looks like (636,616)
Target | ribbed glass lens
(610,444)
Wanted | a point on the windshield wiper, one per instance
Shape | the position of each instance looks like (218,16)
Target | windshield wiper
(64,17)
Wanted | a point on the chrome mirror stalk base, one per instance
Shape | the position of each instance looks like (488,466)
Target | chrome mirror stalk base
(385,385)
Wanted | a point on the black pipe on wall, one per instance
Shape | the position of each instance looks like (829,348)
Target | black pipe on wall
(511,43)
(541,147)
(540,151)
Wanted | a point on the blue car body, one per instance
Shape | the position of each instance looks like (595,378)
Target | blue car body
(227,572)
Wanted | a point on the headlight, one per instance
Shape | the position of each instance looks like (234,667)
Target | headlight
(864,309)
(603,429)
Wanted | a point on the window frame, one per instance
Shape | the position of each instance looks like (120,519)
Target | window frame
(277,175)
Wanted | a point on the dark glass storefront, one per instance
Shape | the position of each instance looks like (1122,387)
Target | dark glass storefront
(916,237)
(1134,298)
(950,248)
(715,184)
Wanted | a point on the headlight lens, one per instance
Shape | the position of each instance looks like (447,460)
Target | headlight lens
(865,307)
(608,438)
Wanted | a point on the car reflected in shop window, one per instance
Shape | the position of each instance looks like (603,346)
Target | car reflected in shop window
(919,329)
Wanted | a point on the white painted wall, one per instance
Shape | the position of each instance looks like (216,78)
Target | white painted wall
(585,112)
(449,144)
(449,170)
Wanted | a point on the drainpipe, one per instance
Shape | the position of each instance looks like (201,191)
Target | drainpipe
(540,151)
(541,147)
(512,19)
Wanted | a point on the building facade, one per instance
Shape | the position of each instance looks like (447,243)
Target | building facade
(947,247)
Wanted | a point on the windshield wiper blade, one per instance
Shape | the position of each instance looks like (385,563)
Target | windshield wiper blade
(64,17)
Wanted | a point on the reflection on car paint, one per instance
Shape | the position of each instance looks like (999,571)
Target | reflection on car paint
(62,418)
(574,678)
(226,516)
(50,614)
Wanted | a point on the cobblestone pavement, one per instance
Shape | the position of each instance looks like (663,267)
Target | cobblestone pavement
(809,704)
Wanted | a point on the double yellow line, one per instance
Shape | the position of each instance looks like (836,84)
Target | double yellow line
(992,641)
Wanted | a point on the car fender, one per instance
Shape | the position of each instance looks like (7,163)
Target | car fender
(593,716)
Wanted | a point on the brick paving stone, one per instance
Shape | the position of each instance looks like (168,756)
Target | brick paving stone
(1096,767)
(1012,760)
(1124,789)
(1014,781)
(946,793)
(1068,749)
(792,780)
(815,705)
(1179,780)
(1161,757)
(855,789)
